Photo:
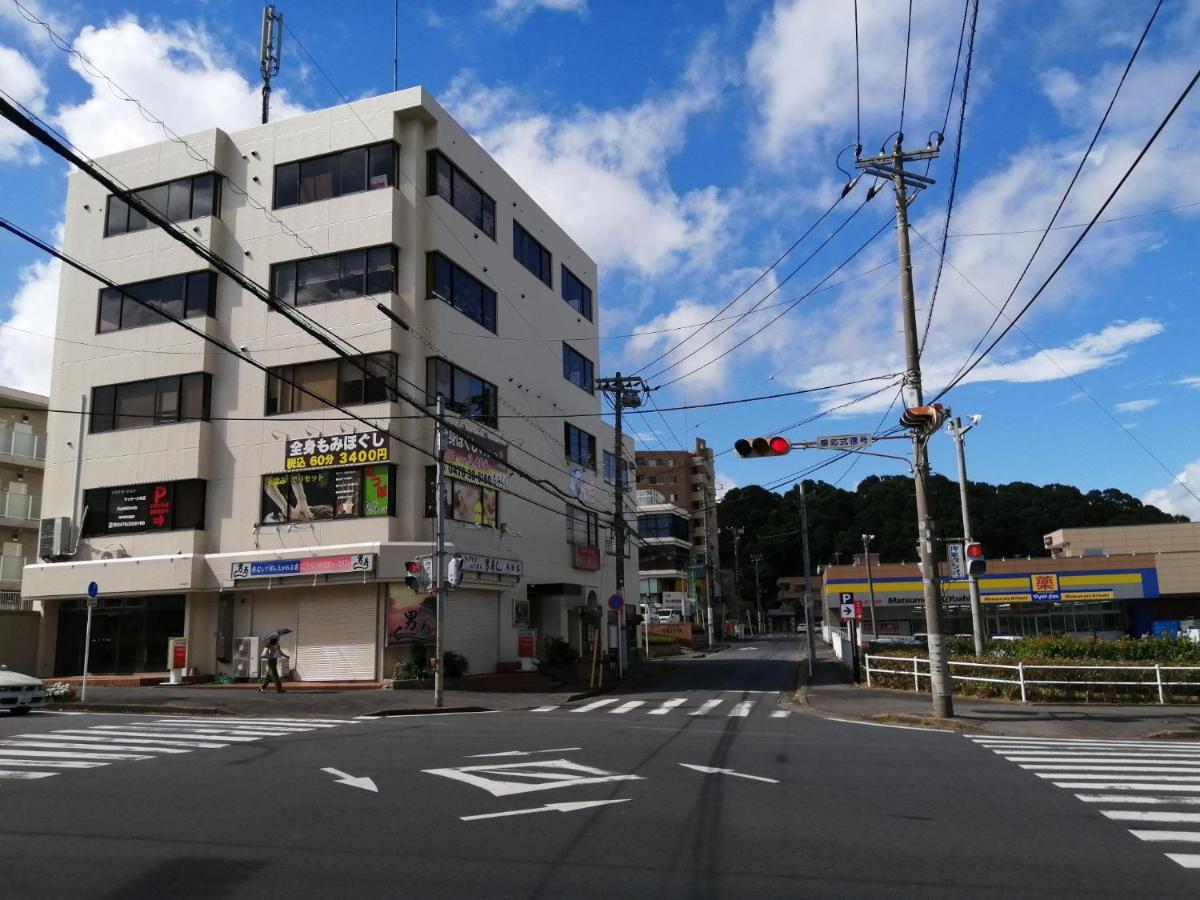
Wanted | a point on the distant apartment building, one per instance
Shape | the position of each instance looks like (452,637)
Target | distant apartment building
(665,553)
(22,460)
(217,502)
(687,480)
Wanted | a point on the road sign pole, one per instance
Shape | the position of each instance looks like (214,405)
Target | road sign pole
(439,564)
(87,646)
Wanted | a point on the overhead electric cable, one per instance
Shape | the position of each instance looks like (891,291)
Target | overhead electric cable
(907,47)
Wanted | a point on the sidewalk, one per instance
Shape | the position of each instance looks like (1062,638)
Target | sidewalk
(830,693)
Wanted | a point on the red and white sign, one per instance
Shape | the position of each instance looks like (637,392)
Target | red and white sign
(178,653)
(525,643)
(858,605)
(585,557)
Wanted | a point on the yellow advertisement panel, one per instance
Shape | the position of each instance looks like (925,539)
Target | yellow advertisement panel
(1006,598)
(1087,595)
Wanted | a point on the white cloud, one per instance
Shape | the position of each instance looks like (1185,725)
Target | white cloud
(1062,88)
(25,358)
(1175,498)
(616,159)
(1192,381)
(180,75)
(724,485)
(511,13)
(22,80)
(1134,406)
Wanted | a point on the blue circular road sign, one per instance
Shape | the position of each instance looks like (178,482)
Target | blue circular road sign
(616,601)
(93,589)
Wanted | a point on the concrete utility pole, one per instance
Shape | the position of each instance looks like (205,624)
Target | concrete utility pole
(809,622)
(867,538)
(708,571)
(737,590)
(891,167)
(757,559)
(627,392)
(439,557)
(959,433)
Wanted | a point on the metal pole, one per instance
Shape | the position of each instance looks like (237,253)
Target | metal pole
(708,566)
(762,629)
(870,582)
(808,616)
(76,493)
(439,559)
(396,46)
(977,626)
(87,650)
(619,528)
(939,681)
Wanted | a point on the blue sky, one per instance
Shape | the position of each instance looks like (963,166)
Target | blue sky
(686,145)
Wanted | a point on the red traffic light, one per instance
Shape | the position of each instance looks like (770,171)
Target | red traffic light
(974,551)
(412,567)
(762,446)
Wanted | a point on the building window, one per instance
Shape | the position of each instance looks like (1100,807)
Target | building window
(577,294)
(577,368)
(583,527)
(664,558)
(337,276)
(580,446)
(448,181)
(339,381)
(447,282)
(130,509)
(155,401)
(182,296)
(335,174)
(531,254)
(352,493)
(610,469)
(177,201)
(663,525)
(465,393)
(465,501)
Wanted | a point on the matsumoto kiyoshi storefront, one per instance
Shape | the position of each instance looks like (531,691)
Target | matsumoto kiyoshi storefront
(1108,597)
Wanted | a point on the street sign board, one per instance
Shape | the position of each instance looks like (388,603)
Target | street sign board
(843,441)
(93,589)
(957,560)
(615,602)
(846,599)
(858,605)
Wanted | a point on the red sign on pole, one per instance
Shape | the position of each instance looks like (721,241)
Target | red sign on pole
(525,643)
(858,605)
(179,653)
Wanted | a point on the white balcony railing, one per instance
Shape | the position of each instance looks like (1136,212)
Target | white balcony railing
(22,443)
(10,567)
(25,507)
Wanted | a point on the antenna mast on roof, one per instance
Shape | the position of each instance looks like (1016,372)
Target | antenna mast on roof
(272,52)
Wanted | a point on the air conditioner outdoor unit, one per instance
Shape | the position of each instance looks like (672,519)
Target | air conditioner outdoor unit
(245,657)
(54,541)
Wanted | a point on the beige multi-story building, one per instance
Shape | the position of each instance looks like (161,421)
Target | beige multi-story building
(22,459)
(218,501)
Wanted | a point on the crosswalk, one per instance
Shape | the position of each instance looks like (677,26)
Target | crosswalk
(738,709)
(30,756)
(1151,787)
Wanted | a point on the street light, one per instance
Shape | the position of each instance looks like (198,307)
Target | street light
(867,538)
(958,431)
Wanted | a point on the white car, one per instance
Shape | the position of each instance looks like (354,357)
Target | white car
(20,693)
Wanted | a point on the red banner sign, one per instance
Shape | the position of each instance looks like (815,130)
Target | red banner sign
(585,557)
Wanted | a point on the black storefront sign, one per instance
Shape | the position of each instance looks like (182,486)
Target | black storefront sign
(140,507)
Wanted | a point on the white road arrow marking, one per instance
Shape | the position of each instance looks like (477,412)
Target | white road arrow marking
(523,752)
(549,807)
(342,778)
(709,770)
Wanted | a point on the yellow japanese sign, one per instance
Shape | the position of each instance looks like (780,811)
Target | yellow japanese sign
(1006,598)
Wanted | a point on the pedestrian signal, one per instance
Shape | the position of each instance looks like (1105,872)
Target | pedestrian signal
(748,448)
(976,561)
(417,578)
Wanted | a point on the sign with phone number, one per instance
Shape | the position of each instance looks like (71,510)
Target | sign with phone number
(360,448)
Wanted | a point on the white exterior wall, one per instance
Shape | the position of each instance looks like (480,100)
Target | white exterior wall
(232,455)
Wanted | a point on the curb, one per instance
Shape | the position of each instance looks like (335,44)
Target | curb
(428,710)
(140,708)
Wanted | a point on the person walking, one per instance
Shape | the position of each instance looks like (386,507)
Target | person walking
(272,653)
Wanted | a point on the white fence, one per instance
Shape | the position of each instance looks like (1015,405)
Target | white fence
(22,443)
(918,668)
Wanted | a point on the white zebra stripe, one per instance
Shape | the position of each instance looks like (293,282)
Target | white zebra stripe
(25,776)
(1140,815)
(133,738)
(667,706)
(1173,837)
(545,709)
(595,704)
(742,708)
(706,707)
(72,745)
(1187,860)
(1135,798)
(66,754)
(627,707)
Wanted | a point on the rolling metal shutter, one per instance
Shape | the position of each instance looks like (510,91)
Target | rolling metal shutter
(472,628)
(336,639)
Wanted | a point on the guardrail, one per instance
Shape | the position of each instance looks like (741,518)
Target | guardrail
(913,666)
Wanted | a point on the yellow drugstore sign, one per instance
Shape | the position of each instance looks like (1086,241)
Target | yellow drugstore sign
(1006,598)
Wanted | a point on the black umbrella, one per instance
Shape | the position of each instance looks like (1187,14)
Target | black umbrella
(276,634)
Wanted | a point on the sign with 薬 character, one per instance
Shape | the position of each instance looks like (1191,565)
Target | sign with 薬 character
(337,450)
(1045,587)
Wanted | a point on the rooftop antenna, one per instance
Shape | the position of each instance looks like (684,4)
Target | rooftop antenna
(396,45)
(272,52)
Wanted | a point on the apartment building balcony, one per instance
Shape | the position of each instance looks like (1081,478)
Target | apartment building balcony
(22,448)
(10,569)
(20,510)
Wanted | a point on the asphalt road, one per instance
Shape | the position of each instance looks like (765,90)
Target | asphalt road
(829,808)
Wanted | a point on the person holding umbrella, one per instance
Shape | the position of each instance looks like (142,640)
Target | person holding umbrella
(271,655)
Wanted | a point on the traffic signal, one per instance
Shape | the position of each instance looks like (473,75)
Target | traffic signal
(454,570)
(925,419)
(416,579)
(762,446)
(976,562)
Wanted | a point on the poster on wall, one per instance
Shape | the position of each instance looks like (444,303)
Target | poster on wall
(467,503)
(376,490)
(337,450)
(346,490)
(410,622)
(466,460)
(313,497)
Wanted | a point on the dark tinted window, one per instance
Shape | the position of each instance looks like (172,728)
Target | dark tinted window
(381,270)
(155,401)
(320,178)
(576,293)
(339,276)
(334,381)
(177,201)
(449,283)
(577,368)
(580,446)
(181,296)
(287,185)
(335,174)
(451,184)
(317,280)
(110,311)
(104,405)
(201,299)
(354,171)
(117,220)
(381,170)
(467,394)
(530,253)
(159,506)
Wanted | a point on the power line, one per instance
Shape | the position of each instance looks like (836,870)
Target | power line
(857,88)
(907,47)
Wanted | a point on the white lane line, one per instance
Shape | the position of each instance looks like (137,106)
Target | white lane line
(134,738)
(1060,771)
(1140,785)
(55,712)
(1080,776)
(1140,815)
(1068,743)
(1174,837)
(66,754)
(742,709)
(215,729)
(706,707)
(522,752)
(54,763)
(72,745)
(1187,860)
(749,692)
(1097,751)
(886,725)
(1134,798)
(545,708)
(595,704)
(238,720)
(1102,758)
(627,707)
(25,776)
(194,735)
(667,706)
(781,714)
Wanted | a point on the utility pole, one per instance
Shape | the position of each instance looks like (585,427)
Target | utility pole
(867,538)
(627,392)
(270,55)
(959,433)
(708,571)
(737,591)
(757,559)
(891,167)
(808,616)
(439,557)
